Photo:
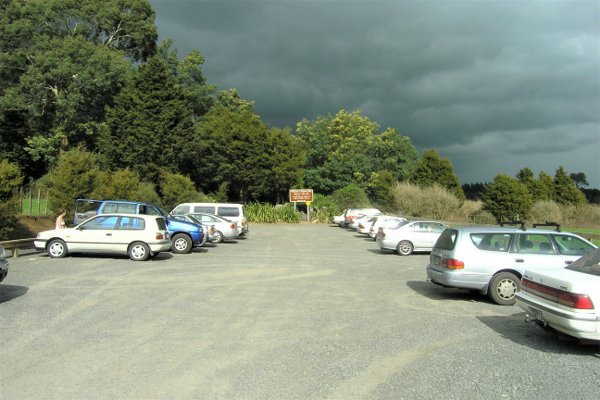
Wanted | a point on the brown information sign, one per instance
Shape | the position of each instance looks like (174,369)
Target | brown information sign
(302,195)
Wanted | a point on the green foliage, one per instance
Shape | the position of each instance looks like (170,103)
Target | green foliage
(150,127)
(346,149)
(10,179)
(380,191)
(324,209)
(351,196)
(176,189)
(239,151)
(188,72)
(73,177)
(431,169)
(565,190)
(579,179)
(507,199)
(122,184)
(267,213)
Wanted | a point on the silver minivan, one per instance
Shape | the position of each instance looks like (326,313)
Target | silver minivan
(491,260)
(231,211)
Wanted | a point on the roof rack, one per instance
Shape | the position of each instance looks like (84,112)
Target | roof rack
(548,223)
(522,223)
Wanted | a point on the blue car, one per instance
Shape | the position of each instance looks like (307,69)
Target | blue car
(184,235)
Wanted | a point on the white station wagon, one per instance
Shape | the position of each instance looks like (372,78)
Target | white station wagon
(139,236)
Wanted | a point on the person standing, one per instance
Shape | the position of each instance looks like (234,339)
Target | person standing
(60,220)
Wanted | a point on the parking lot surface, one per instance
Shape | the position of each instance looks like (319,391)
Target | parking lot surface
(292,312)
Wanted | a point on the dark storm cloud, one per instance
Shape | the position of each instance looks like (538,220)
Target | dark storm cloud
(513,83)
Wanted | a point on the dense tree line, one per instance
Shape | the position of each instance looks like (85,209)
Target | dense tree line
(92,105)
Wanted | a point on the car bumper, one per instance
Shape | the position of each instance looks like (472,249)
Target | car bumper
(3,269)
(40,245)
(457,278)
(160,246)
(581,325)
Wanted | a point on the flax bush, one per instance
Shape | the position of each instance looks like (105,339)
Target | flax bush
(267,213)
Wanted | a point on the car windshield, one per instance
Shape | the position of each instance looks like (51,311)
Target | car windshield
(588,264)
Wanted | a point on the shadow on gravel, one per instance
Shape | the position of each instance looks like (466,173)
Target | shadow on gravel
(9,292)
(382,252)
(436,292)
(516,329)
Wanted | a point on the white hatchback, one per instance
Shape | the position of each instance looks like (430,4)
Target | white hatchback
(139,236)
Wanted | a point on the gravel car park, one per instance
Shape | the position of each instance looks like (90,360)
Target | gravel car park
(279,315)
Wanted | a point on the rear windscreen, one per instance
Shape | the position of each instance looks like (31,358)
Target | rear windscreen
(447,239)
(229,211)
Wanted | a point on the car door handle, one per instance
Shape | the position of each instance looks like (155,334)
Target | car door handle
(109,234)
(519,260)
(568,262)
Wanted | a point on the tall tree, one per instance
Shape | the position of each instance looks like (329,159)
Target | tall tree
(431,169)
(565,191)
(150,127)
(507,199)
(245,157)
(580,179)
(347,148)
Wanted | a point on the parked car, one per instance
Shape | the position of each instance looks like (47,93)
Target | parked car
(138,236)
(384,221)
(184,235)
(232,211)
(208,229)
(360,218)
(567,299)
(224,228)
(3,264)
(339,219)
(491,260)
(353,213)
(406,237)
(364,224)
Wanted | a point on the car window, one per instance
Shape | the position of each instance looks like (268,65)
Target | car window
(131,224)
(436,228)
(204,209)
(491,241)
(161,223)
(151,210)
(528,243)
(101,223)
(447,239)
(180,210)
(571,245)
(229,211)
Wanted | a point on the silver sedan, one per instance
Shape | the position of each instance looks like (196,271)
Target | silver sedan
(408,236)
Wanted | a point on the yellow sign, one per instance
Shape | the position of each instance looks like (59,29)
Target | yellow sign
(308,203)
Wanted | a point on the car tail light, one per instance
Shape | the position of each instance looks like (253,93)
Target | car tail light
(453,263)
(562,297)
(159,236)
(361,226)
(232,226)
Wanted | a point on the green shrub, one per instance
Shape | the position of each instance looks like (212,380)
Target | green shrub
(351,196)
(438,203)
(407,196)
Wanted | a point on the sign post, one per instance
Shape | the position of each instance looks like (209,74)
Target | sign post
(302,195)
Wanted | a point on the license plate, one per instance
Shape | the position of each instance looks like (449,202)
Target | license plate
(538,315)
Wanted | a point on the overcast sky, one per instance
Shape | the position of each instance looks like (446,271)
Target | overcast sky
(494,86)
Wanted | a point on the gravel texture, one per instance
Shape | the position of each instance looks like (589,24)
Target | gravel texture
(291,312)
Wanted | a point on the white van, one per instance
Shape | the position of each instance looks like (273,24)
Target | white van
(231,211)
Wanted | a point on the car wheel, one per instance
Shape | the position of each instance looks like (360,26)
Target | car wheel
(182,244)
(139,251)
(404,248)
(217,238)
(57,248)
(503,288)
